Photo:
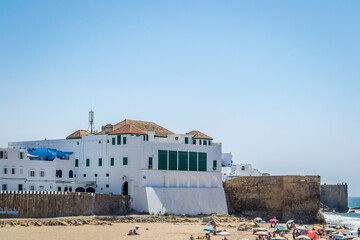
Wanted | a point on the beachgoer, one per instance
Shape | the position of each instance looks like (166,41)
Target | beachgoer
(358,232)
(130,232)
(191,237)
(135,232)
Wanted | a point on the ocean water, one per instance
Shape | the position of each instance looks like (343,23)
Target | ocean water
(351,220)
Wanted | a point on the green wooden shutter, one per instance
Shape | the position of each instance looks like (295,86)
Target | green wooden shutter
(125,161)
(118,139)
(214,164)
(162,160)
(124,140)
(113,141)
(112,161)
(202,162)
(76,162)
(186,140)
(192,161)
(88,162)
(183,161)
(100,162)
(172,160)
(150,161)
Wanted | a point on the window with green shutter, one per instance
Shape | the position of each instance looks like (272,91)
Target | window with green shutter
(199,141)
(100,162)
(112,161)
(88,162)
(113,141)
(192,161)
(186,140)
(150,162)
(76,162)
(118,139)
(172,160)
(125,161)
(194,141)
(205,142)
(215,164)
(183,161)
(202,161)
(124,140)
(162,160)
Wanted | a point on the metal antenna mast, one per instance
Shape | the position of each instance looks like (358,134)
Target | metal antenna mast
(91,122)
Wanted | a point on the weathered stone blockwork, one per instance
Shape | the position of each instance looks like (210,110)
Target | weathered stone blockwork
(335,196)
(286,197)
(56,204)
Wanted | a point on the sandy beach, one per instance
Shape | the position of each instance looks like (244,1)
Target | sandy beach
(109,230)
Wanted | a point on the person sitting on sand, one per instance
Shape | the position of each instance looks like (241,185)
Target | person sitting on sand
(130,232)
(191,237)
(135,232)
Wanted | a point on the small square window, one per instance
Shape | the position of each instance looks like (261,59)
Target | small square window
(42,173)
(4,187)
(99,142)
(84,175)
(107,174)
(96,175)
(107,185)
(32,188)
(5,170)
(32,173)
(77,143)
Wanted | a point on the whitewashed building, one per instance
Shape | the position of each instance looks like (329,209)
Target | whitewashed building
(230,170)
(160,170)
(36,170)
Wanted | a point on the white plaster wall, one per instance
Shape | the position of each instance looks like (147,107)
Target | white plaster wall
(186,200)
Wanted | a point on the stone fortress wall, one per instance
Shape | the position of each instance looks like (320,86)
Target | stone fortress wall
(335,197)
(285,197)
(27,204)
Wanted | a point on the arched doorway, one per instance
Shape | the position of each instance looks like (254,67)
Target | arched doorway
(125,188)
(80,189)
(90,189)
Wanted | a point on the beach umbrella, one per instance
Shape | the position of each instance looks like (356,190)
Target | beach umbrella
(303,237)
(290,221)
(224,234)
(278,238)
(259,229)
(208,229)
(302,228)
(349,237)
(137,226)
(312,232)
(251,224)
(258,219)
(261,233)
(273,220)
(341,230)
(280,227)
(262,221)
(318,227)
(337,236)
(330,230)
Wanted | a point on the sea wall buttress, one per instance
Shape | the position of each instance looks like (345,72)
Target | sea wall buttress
(36,204)
(286,197)
(335,196)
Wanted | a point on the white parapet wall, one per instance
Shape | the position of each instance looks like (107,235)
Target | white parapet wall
(190,201)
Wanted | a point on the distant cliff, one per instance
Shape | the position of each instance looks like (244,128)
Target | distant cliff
(335,196)
(286,197)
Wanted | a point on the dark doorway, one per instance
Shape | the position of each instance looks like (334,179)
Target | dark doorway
(20,187)
(80,189)
(125,188)
(90,189)
(65,189)
(59,189)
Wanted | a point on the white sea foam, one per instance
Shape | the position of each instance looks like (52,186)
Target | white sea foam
(351,220)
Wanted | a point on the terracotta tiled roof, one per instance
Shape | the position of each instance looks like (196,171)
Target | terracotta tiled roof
(199,135)
(144,126)
(128,128)
(78,134)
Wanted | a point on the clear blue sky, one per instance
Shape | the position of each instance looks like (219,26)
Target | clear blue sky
(277,82)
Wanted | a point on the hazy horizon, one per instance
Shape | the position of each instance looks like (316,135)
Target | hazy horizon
(277,83)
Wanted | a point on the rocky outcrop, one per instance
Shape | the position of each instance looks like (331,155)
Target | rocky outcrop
(284,197)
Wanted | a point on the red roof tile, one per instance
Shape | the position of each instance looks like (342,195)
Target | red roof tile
(199,135)
(128,128)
